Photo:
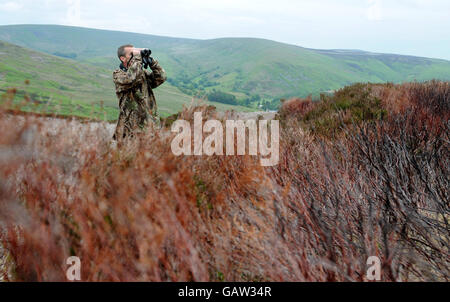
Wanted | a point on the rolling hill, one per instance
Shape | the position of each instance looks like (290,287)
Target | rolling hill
(70,87)
(246,67)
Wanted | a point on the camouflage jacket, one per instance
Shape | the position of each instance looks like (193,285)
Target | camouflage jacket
(137,102)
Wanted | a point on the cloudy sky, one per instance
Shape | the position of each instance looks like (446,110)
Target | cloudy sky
(414,27)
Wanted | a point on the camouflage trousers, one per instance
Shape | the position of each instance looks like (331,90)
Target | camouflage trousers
(136,125)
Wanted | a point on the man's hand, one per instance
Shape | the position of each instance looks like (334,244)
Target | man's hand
(137,51)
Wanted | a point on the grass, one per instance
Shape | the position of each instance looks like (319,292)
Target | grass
(377,187)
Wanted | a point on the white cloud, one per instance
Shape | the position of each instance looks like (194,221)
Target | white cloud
(73,15)
(11,6)
(374,11)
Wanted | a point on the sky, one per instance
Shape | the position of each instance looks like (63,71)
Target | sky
(411,27)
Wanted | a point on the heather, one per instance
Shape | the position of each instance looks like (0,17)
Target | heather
(362,172)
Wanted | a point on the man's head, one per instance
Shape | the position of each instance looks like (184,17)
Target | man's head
(124,53)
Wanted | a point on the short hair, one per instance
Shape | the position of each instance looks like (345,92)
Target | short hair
(121,50)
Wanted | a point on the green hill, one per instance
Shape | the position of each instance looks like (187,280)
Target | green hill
(248,68)
(70,87)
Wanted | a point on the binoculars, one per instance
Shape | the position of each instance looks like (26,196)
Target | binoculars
(146,59)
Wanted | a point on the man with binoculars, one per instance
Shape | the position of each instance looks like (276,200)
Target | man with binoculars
(134,89)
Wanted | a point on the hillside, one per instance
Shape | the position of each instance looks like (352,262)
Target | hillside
(248,68)
(362,172)
(67,86)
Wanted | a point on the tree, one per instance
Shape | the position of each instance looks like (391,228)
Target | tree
(222,97)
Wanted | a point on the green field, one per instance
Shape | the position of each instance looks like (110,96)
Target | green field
(69,87)
(251,69)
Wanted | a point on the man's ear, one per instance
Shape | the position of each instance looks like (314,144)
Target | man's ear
(123,59)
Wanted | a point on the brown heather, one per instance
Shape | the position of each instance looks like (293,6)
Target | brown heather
(363,172)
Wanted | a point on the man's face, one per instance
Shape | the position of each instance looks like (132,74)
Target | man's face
(127,57)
